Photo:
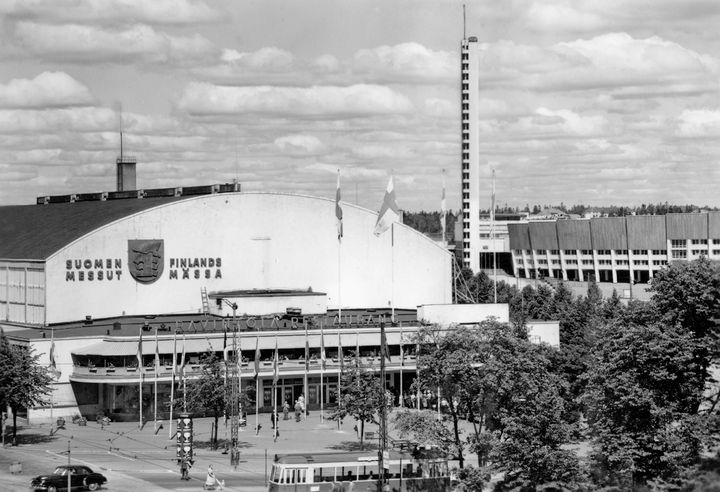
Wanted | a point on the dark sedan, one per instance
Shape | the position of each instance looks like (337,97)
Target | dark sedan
(81,478)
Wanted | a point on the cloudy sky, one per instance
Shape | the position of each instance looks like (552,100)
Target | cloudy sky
(582,101)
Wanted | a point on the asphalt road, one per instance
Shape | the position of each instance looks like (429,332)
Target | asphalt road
(140,460)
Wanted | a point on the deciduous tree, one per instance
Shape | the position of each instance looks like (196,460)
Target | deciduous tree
(688,295)
(23,382)
(641,388)
(209,391)
(361,394)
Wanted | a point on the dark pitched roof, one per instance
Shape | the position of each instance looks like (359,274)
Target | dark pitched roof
(35,232)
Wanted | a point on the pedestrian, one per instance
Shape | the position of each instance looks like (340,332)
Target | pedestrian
(212,480)
(298,410)
(286,410)
(301,401)
(273,419)
(185,468)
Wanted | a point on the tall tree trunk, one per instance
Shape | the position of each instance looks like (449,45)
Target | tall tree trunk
(362,434)
(215,432)
(14,439)
(456,429)
(471,418)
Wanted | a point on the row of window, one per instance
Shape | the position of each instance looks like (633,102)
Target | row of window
(682,243)
(608,252)
(520,262)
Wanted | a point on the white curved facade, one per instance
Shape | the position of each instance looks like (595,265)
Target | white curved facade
(244,241)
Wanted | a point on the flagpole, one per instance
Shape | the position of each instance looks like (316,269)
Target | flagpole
(238,362)
(443,213)
(392,272)
(172,385)
(276,377)
(157,369)
(492,236)
(141,370)
(417,374)
(339,216)
(322,371)
(257,386)
(307,368)
(341,363)
(402,368)
(182,376)
(52,364)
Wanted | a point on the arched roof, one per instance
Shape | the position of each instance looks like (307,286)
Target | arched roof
(35,232)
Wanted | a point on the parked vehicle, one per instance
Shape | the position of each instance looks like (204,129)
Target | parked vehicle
(81,478)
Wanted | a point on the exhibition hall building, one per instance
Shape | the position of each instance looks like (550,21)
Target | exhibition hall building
(109,288)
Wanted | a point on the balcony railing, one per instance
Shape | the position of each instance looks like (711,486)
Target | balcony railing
(247,367)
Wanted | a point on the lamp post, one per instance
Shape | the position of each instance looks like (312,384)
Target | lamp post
(69,470)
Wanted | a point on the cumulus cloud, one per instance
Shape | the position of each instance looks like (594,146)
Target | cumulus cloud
(614,61)
(563,15)
(440,108)
(573,123)
(374,152)
(699,123)
(113,11)
(269,58)
(299,143)
(317,101)
(81,43)
(48,89)
(81,119)
(406,62)
(620,52)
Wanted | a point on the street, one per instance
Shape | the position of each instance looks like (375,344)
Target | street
(132,458)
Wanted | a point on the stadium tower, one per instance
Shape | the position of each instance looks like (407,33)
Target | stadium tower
(470,133)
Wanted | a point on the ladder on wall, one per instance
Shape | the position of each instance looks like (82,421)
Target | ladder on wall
(205,300)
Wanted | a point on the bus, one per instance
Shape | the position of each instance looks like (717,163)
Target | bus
(424,470)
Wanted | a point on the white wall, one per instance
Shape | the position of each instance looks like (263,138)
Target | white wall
(262,305)
(544,332)
(265,241)
(449,314)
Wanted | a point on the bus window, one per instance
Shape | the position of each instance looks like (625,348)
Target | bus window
(275,477)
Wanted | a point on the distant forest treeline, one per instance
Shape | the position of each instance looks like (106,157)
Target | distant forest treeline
(611,210)
(429,222)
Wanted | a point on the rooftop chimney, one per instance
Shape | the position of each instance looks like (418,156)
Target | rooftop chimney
(126,173)
(125,170)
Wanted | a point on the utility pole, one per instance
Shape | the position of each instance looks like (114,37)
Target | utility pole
(234,395)
(383,413)
(69,470)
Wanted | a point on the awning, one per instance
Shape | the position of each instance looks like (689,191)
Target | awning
(201,343)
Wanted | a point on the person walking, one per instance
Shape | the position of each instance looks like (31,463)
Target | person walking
(298,410)
(211,481)
(301,401)
(185,468)
(286,410)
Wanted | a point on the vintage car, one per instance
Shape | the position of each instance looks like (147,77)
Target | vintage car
(81,478)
